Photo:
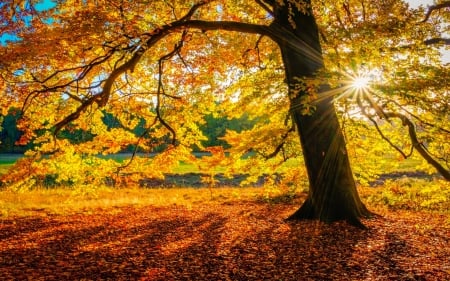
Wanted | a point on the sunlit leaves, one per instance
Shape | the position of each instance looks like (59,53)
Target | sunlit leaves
(64,63)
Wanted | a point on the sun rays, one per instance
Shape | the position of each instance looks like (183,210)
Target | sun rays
(361,82)
(354,86)
(358,86)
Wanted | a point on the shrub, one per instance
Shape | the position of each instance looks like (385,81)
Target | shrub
(413,194)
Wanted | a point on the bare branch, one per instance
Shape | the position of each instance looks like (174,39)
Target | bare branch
(443,5)
(422,121)
(45,89)
(73,97)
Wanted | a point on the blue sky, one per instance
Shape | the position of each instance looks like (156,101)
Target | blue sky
(41,6)
(45,5)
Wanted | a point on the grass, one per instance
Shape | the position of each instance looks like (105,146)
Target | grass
(4,168)
(417,195)
(7,160)
(407,194)
(62,201)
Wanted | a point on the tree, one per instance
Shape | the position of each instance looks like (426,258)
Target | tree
(333,194)
(9,133)
(175,66)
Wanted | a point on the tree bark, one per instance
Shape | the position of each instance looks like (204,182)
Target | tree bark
(332,193)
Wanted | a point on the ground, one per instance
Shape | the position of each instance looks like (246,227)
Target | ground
(226,240)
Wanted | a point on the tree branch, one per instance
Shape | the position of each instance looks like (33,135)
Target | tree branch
(265,6)
(371,119)
(388,140)
(433,41)
(133,155)
(102,98)
(279,147)
(160,90)
(418,145)
(445,4)
(273,31)
(422,121)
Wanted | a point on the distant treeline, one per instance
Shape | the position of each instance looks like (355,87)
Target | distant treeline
(214,128)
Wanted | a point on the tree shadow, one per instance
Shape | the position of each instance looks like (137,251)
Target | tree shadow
(392,255)
(107,250)
(229,242)
(303,250)
(21,226)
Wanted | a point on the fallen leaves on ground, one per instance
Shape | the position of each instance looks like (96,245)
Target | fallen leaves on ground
(231,241)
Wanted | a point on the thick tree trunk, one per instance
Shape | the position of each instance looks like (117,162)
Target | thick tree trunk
(332,193)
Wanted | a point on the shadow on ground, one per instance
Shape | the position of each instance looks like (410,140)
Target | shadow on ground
(247,241)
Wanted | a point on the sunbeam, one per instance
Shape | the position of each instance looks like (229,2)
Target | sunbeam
(361,82)
(354,85)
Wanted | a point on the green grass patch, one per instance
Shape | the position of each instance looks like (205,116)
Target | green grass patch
(4,168)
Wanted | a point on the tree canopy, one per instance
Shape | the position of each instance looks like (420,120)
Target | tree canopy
(171,63)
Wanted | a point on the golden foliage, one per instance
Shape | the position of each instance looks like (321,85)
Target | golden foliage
(170,78)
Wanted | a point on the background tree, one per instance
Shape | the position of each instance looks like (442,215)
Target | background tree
(268,58)
(9,133)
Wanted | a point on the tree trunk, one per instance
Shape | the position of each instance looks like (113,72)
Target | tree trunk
(332,194)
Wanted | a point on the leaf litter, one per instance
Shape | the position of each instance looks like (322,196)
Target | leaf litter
(238,241)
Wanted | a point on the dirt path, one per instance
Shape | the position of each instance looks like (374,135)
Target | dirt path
(245,241)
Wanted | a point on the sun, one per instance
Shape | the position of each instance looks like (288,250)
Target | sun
(355,85)
(361,82)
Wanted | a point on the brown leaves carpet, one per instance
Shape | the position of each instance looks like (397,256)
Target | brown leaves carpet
(238,241)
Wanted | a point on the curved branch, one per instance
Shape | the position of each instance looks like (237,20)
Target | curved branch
(419,146)
(85,70)
(133,155)
(445,4)
(364,112)
(74,115)
(388,140)
(102,98)
(160,90)
(273,31)
(226,25)
(415,116)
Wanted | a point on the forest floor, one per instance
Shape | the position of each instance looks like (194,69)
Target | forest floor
(221,240)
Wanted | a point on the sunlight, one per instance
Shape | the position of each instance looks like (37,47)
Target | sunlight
(361,82)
